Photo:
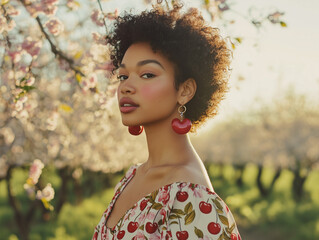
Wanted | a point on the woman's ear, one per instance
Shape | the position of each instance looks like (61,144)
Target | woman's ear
(186,91)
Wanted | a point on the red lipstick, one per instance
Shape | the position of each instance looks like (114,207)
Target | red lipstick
(127,105)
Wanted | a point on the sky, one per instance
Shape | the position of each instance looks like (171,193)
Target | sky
(270,60)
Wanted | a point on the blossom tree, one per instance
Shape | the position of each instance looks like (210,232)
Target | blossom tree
(57,90)
(284,135)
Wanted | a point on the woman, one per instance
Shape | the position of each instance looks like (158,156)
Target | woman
(173,71)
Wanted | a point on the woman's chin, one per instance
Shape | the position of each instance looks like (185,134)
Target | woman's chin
(129,123)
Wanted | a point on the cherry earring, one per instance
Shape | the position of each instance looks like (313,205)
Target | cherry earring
(183,125)
(135,130)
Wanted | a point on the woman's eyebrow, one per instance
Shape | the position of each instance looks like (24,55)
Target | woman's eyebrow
(144,62)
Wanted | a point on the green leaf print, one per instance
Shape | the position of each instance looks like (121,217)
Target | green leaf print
(178,211)
(198,232)
(190,217)
(224,220)
(217,203)
(173,216)
(188,208)
(157,206)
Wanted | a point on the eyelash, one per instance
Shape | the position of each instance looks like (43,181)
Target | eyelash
(120,77)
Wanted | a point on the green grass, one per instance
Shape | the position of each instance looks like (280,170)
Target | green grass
(275,217)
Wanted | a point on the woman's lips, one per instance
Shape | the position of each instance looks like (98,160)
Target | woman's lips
(128,109)
(127,105)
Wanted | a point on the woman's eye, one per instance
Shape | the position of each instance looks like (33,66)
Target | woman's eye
(121,77)
(148,75)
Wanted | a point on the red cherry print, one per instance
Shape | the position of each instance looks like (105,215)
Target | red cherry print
(181,127)
(120,234)
(132,226)
(182,196)
(205,207)
(168,235)
(143,204)
(182,235)
(151,227)
(213,228)
(233,236)
(239,237)
(227,208)
(95,236)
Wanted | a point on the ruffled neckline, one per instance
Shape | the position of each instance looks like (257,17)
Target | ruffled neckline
(129,177)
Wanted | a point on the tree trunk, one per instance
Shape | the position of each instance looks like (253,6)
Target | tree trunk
(22,224)
(298,184)
(78,191)
(261,187)
(240,168)
(275,178)
(63,189)
(262,190)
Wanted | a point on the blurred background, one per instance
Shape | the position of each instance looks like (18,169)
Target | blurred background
(63,147)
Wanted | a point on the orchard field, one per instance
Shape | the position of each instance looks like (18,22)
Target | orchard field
(276,217)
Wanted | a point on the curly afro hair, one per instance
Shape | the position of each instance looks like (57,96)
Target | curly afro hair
(197,50)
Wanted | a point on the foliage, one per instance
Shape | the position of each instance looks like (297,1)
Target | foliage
(258,217)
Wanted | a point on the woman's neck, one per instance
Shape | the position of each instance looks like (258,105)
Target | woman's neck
(166,148)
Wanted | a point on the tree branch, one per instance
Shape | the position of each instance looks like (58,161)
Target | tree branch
(56,51)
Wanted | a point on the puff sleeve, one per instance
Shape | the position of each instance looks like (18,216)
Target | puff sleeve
(198,213)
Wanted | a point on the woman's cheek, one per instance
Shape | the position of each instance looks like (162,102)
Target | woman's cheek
(154,91)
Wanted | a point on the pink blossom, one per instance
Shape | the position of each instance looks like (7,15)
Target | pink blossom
(150,216)
(72,4)
(275,17)
(47,7)
(35,170)
(52,121)
(154,236)
(197,192)
(32,47)
(107,66)
(47,193)
(99,39)
(97,17)
(112,16)
(18,106)
(55,26)
(30,81)
(139,235)
(3,22)
(141,217)
(163,196)
(15,55)
(13,12)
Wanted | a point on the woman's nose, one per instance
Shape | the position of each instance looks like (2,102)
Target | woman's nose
(127,87)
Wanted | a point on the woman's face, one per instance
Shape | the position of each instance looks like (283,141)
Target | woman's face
(146,92)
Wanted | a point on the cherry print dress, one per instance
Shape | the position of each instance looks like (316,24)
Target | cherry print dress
(180,210)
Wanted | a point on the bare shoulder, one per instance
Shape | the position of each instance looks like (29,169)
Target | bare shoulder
(194,173)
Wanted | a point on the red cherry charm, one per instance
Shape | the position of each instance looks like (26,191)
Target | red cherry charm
(182,235)
(132,226)
(181,127)
(213,228)
(135,130)
(205,207)
(120,234)
(143,204)
(233,236)
(182,196)
(151,227)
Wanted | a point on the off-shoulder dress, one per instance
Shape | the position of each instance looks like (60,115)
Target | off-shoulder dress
(180,210)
